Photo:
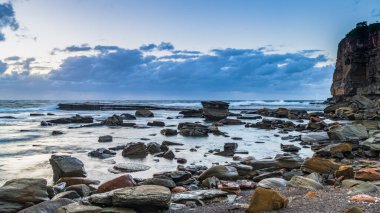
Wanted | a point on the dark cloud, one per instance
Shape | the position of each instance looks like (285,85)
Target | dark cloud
(105,49)
(148,47)
(73,48)
(3,67)
(130,72)
(7,19)
(165,46)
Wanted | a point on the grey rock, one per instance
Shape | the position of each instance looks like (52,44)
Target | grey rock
(66,166)
(105,138)
(221,172)
(24,190)
(160,182)
(49,206)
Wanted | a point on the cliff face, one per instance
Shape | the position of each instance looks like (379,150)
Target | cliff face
(358,63)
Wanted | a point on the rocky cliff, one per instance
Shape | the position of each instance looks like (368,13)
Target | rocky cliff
(358,63)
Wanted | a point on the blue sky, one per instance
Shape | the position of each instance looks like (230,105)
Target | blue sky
(170,49)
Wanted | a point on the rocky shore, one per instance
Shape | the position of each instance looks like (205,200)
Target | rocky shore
(342,174)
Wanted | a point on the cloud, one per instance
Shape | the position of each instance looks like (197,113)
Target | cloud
(160,47)
(73,48)
(7,19)
(219,74)
(375,12)
(3,67)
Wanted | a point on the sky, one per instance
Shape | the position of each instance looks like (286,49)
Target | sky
(171,49)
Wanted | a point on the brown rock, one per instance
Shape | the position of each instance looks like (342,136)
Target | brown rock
(230,187)
(368,174)
(135,150)
(363,198)
(319,165)
(346,171)
(266,200)
(178,189)
(354,209)
(119,182)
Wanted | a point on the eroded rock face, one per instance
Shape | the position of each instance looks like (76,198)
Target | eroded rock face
(357,66)
(215,110)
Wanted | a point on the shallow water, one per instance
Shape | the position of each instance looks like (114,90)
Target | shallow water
(25,146)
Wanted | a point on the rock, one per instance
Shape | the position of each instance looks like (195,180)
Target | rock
(178,189)
(354,209)
(56,132)
(228,121)
(169,143)
(363,198)
(288,161)
(36,114)
(24,190)
(169,155)
(7,117)
(153,147)
(229,149)
(373,142)
(127,116)
(144,113)
(270,183)
(210,182)
(347,172)
(230,187)
(192,113)
(319,165)
(131,167)
(265,175)
(74,119)
(117,183)
(266,200)
(156,123)
(289,148)
(118,210)
(362,188)
(193,129)
(369,124)
(82,189)
(197,195)
(102,153)
(67,194)
(351,182)
(368,174)
(66,166)
(350,132)
(102,199)
(333,149)
(169,132)
(135,150)
(305,183)
(114,120)
(49,206)
(10,207)
(316,125)
(77,180)
(142,196)
(105,138)
(221,172)
(215,110)
(77,208)
(176,176)
(181,160)
(160,182)
(44,123)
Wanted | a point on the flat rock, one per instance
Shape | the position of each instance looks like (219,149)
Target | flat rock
(272,183)
(74,119)
(142,196)
(131,167)
(160,182)
(319,165)
(305,183)
(67,194)
(362,188)
(77,208)
(105,138)
(349,132)
(368,174)
(197,195)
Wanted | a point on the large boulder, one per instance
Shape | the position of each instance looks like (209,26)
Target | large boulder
(144,113)
(49,206)
(349,132)
(66,166)
(215,110)
(142,197)
(368,174)
(221,172)
(24,190)
(74,119)
(135,150)
(117,183)
(319,165)
(266,200)
(114,120)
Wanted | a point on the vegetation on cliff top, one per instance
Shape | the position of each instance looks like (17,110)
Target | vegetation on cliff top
(362,30)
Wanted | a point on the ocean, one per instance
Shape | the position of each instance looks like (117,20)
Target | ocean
(25,146)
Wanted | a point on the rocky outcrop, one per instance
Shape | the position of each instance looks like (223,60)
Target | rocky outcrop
(357,69)
(215,110)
